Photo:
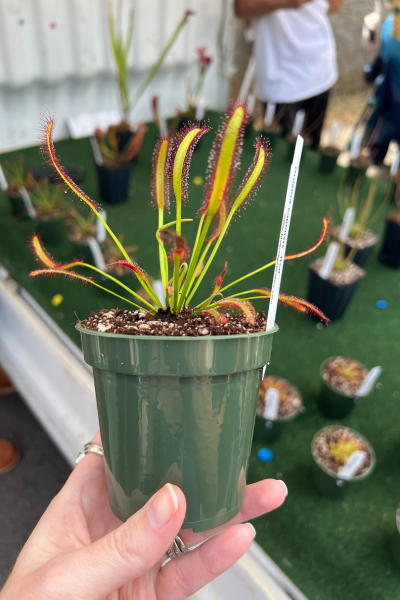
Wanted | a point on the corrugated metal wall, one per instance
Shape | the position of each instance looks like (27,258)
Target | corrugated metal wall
(55,55)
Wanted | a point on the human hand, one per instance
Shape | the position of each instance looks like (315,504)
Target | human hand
(79,550)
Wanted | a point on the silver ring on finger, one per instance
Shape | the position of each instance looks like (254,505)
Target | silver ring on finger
(89,447)
(177,547)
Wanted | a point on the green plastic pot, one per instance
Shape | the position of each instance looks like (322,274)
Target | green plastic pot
(180,411)
(328,483)
(52,232)
(333,403)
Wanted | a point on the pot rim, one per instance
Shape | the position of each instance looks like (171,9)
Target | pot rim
(364,272)
(335,475)
(172,338)
(328,385)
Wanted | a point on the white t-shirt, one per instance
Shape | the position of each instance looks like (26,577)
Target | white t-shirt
(295,53)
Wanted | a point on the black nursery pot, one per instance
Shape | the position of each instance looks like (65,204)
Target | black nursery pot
(328,160)
(83,252)
(271,431)
(390,253)
(354,171)
(331,402)
(17,206)
(361,257)
(51,231)
(114,183)
(331,299)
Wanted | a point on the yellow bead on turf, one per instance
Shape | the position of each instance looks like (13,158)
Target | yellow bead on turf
(57,299)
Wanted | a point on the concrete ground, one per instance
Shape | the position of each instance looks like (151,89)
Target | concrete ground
(26,491)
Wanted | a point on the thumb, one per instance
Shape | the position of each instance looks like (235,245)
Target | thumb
(131,549)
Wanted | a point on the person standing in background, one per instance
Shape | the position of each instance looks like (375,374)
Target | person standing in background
(384,124)
(295,58)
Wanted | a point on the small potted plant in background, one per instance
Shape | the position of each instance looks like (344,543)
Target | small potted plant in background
(329,153)
(360,237)
(342,457)
(331,289)
(390,252)
(271,125)
(342,379)
(16,179)
(81,228)
(48,202)
(190,372)
(279,402)
(116,148)
(357,167)
(195,102)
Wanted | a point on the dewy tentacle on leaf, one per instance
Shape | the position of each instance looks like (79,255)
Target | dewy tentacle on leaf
(237,304)
(223,163)
(325,226)
(224,160)
(75,276)
(302,306)
(44,257)
(185,144)
(251,182)
(48,150)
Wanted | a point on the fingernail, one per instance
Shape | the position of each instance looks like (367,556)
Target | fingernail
(252,529)
(284,485)
(162,507)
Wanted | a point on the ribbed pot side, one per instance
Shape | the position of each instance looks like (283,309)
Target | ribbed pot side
(180,411)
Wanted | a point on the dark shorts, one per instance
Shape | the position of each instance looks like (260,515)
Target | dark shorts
(315,109)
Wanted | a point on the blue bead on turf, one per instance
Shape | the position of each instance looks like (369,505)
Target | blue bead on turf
(265,455)
(381,304)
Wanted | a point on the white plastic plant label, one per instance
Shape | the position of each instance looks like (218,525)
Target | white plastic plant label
(270,114)
(356,145)
(353,464)
(369,382)
(163,126)
(347,224)
(395,162)
(28,203)
(251,102)
(284,233)
(271,404)
(3,180)
(159,290)
(200,109)
(96,151)
(100,229)
(299,122)
(333,132)
(329,260)
(97,254)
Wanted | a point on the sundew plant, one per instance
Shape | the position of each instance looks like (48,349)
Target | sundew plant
(182,270)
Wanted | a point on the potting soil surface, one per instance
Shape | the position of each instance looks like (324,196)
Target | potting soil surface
(330,549)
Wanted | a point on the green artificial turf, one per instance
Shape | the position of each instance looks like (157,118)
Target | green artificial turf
(330,549)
